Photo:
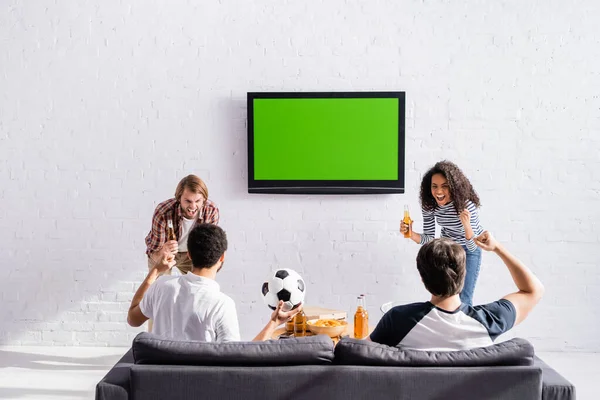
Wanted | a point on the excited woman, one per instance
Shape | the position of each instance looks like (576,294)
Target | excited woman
(448,198)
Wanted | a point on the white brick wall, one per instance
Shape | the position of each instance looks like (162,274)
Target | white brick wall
(104,106)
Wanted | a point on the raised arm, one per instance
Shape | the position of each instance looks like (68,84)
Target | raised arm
(278,317)
(211,214)
(135,317)
(469,218)
(157,245)
(530,288)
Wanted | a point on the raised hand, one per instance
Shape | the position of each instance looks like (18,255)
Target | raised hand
(465,217)
(170,247)
(404,228)
(486,241)
(279,316)
(166,263)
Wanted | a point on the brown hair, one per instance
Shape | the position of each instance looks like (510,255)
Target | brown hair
(442,266)
(461,189)
(192,183)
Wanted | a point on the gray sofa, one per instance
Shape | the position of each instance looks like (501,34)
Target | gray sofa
(311,368)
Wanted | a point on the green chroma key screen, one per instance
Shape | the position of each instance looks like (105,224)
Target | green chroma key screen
(326,139)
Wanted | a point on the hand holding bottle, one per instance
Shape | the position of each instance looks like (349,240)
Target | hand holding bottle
(406,224)
(405,228)
(170,247)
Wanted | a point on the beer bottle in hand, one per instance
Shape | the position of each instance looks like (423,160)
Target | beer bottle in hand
(407,221)
(171,236)
(170,230)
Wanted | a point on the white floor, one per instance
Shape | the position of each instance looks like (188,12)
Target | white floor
(44,373)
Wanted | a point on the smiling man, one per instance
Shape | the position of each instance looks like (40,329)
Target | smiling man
(189,207)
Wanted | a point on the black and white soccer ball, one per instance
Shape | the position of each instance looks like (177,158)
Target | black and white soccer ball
(287,285)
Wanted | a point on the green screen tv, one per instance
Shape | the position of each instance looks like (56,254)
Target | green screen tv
(326,142)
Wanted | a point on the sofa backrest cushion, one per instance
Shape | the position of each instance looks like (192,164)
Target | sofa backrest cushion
(312,350)
(516,351)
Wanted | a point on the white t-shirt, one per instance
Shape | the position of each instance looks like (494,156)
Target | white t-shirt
(186,227)
(190,307)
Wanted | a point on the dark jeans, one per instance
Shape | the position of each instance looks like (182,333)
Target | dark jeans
(473,265)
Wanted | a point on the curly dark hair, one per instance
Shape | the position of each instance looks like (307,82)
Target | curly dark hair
(461,189)
(442,266)
(206,244)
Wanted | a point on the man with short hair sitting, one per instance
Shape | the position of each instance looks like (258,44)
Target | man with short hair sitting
(444,323)
(192,306)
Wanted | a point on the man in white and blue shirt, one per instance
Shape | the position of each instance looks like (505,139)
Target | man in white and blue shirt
(444,323)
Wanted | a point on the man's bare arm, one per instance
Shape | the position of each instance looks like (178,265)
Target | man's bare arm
(530,288)
(135,317)
(278,317)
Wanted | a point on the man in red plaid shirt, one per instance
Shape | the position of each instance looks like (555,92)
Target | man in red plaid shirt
(190,206)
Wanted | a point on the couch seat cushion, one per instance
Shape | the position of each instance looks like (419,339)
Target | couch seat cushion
(516,351)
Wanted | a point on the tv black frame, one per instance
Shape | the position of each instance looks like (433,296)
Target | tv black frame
(327,186)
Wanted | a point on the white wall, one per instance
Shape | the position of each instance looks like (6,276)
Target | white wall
(105,106)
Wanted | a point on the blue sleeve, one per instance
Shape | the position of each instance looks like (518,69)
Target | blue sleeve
(498,317)
(383,332)
(398,322)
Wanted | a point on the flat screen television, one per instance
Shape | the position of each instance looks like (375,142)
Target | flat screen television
(326,142)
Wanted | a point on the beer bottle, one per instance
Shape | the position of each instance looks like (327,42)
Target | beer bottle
(170,230)
(361,318)
(300,324)
(289,327)
(365,308)
(407,221)
(171,236)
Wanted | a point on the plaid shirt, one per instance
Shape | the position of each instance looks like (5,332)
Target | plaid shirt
(171,209)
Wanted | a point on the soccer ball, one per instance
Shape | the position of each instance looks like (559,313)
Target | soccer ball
(287,285)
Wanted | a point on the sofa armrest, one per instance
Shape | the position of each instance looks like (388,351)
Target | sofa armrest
(554,385)
(116,383)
